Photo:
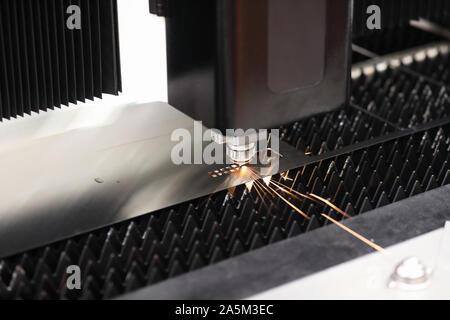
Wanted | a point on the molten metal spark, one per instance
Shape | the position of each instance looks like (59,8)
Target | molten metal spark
(285,176)
(331,205)
(353,233)
(312,197)
(290,204)
(287,191)
(256,177)
(295,180)
(277,153)
(285,200)
(263,187)
(293,207)
(267,180)
(280,185)
(231,190)
(260,195)
(317,199)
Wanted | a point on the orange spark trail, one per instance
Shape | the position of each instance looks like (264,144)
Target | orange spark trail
(295,180)
(263,187)
(317,198)
(314,198)
(293,207)
(285,200)
(279,185)
(290,204)
(353,233)
(331,205)
(259,194)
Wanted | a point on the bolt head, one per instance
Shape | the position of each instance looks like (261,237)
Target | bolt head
(410,274)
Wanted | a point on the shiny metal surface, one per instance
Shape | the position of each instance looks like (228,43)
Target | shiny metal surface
(70,182)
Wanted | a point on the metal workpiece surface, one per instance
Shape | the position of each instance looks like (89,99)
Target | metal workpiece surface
(271,266)
(74,181)
(68,182)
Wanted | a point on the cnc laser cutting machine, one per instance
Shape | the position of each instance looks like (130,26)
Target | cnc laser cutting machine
(358,91)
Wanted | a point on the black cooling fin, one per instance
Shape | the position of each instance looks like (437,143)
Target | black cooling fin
(44,64)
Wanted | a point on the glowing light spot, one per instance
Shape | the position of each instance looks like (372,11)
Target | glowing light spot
(407,60)
(395,63)
(369,70)
(356,73)
(420,56)
(432,53)
(267,180)
(382,66)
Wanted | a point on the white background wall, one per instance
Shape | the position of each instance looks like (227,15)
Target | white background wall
(143,52)
(143,60)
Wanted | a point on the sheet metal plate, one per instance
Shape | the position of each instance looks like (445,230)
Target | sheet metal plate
(50,185)
(49,190)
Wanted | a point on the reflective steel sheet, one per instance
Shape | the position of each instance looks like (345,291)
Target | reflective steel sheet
(69,182)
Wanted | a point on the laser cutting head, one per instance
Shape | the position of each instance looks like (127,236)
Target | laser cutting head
(256,64)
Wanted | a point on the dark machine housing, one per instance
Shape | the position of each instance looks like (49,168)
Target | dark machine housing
(256,64)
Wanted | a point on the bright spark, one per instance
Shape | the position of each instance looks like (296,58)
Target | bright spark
(267,180)
(353,233)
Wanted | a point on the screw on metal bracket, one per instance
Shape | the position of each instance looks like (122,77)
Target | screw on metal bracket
(410,274)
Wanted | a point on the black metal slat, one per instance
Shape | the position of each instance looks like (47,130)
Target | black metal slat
(4,90)
(117,46)
(32,56)
(11,75)
(60,26)
(71,65)
(87,49)
(16,59)
(109,64)
(22,48)
(96,48)
(40,57)
(48,63)
(79,59)
(45,64)
(54,52)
